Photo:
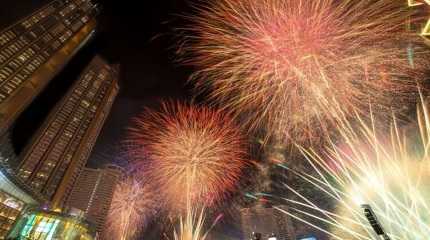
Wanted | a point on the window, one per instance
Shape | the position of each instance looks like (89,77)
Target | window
(7,52)
(31,68)
(55,45)
(2,58)
(16,80)
(2,77)
(47,38)
(14,48)
(4,39)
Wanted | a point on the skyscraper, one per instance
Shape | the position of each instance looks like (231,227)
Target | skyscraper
(36,48)
(93,193)
(32,51)
(60,148)
(266,222)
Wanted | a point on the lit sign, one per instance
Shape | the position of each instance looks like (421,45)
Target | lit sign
(13,203)
(413,3)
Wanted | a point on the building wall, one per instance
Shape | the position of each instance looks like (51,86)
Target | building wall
(42,224)
(93,193)
(32,51)
(60,149)
(36,48)
(13,198)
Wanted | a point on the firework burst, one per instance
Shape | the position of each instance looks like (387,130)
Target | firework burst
(391,176)
(195,154)
(132,205)
(278,64)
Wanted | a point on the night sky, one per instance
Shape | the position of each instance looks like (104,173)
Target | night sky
(141,37)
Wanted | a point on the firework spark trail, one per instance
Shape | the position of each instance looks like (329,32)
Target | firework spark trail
(391,176)
(192,226)
(132,204)
(278,63)
(195,154)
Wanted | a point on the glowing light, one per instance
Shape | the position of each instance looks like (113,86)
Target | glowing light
(278,64)
(390,176)
(413,3)
(195,153)
(426,29)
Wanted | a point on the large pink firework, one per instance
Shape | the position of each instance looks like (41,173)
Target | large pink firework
(286,66)
(196,154)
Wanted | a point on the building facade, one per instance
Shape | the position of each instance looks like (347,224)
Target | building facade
(36,48)
(60,149)
(15,196)
(49,225)
(93,193)
(264,223)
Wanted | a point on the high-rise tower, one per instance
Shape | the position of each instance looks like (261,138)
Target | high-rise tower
(93,193)
(36,48)
(32,51)
(60,148)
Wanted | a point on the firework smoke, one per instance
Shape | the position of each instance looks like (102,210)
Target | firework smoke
(389,175)
(132,204)
(279,64)
(195,154)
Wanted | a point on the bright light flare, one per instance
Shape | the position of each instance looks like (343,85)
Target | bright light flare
(391,175)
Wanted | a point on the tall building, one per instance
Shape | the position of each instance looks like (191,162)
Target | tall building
(32,51)
(59,150)
(266,223)
(15,196)
(93,193)
(36,48)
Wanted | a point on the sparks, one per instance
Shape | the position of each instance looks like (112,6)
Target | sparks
(132,205)
(195,154)
(278,64)
(391,176)
(192,226)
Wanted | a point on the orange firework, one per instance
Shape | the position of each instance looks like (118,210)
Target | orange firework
(286,66)
(195,154)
